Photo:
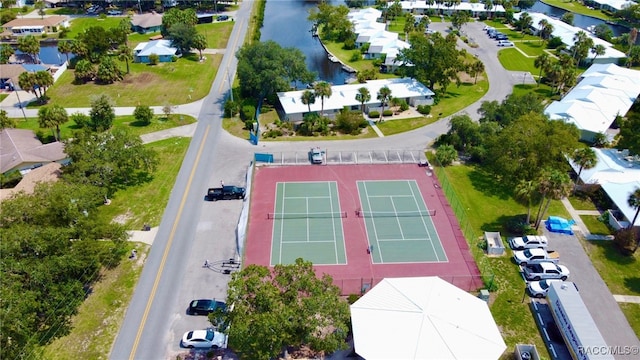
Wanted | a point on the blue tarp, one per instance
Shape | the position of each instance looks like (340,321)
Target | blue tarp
(559,225)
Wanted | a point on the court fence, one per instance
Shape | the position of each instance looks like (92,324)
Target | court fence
(351,157)
(475,245)
(359,286)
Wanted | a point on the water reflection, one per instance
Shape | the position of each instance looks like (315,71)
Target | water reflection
(580,21)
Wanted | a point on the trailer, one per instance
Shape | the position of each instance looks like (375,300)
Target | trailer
(579,331)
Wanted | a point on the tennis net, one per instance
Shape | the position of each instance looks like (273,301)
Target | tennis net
(370,214)
(322,215)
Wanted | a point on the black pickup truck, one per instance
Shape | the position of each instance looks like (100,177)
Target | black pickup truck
(225,193)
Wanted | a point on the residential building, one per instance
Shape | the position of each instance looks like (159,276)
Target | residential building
(603,92)
(34,26)
(146,23)
(608,5)
(10,73)
(475,9)
(411,90)
(162,48)
(21,150)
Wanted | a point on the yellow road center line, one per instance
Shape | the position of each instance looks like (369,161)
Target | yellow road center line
(166,249)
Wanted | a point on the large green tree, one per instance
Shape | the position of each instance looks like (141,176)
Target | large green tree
(6,51)
(333,21)
(111,160)
(65,48)
(199,43)
(433,60)
(265,68)
(51,117)
(183,36)
(175,16)
(511,108)
(31,46)
(102,113)
(108,71)
(51,254)
(289,306)
(629,134)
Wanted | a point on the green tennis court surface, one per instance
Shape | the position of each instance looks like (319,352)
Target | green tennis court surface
(307,223)
(399,225)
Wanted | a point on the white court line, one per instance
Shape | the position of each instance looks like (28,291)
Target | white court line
(393,204)
(333,225)
(400,240)
(284,190)
(375,231)
(307,210)
(433,227)
(386,196)
(306,197)
(308,242)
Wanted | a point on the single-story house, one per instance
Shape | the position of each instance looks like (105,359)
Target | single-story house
(475,9)
(382,43)
(567,32)
(21,150)
(609,5)
(10,73)
(146,23)
(35,26)
(618,173)
(411,90)
(423,318)
(162,48)
(603,92)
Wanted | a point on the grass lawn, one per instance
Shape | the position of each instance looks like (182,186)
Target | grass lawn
(390,127)
(489,205)
(345,56)
(594,225)
(531,47)
(98,321)
(145,203)
(578,8)
(3,96)
(512,60)
(157,124)
(162,84)
(216,33)
(632,312)
(543,91)
(581,202)
(79,25)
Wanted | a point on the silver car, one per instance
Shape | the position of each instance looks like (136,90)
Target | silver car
(539,289)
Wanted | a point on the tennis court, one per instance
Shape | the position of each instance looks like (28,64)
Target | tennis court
(399,225)
(307,223)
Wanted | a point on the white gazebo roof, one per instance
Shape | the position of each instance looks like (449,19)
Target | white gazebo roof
(423,318)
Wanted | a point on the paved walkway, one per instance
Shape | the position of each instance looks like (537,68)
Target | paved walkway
(627,299)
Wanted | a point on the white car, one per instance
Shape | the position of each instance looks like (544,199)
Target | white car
(316,155)
(207,339)
(539,289)
(505,43)
(528,242)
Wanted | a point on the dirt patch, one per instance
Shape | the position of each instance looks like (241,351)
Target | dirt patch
(465,78)
(122,219)
(142,78)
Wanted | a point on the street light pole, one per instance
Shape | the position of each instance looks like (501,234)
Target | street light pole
(230,85)
(19,102)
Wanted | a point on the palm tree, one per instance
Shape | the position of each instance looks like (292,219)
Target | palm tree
(322,89)
(27,82)
(199,43)
(384,95)
(543,61)
(44,80)
(51,117)
(585,158)
(308,98)
(125,54)
(541,25)
(363,96)
(65,48)
(597,50)
(556,187)
(476,69)
(634,202)
(525,191)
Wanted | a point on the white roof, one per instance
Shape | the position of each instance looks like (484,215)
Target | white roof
(604,91)
(566,32)
(619,194)
(474,7)
(367,29)
(423,318)
(158,47)
(613,166)
(616,4)
(345,95)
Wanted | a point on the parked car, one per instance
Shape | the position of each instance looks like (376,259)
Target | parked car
(535,256)
(208,339)
(488,28)
(500,36)
(205,306)
(539,289)
(114,12)
(545,270)
(222,17)
(225,193)
(505,43)
(316,155)
(528,242)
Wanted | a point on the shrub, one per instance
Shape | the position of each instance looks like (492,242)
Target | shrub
(626,240)
(45,137)
(353,298)
(154,59)
(248,125)
(387,112)
(273,133)
(10,179)
(424,109)
(517,226)
(143,114)
(80,119)
(174,58)
(248,112)
(355,56)
(554,42)
(374,114)
(404,106)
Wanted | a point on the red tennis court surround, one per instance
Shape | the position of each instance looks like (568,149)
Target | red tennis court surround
(360,273)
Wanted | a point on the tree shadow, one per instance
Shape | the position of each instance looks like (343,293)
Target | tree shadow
(489,185)
(138,123)
(612,253)
(633,284)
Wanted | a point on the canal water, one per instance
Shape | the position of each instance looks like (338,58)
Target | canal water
(285,22)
